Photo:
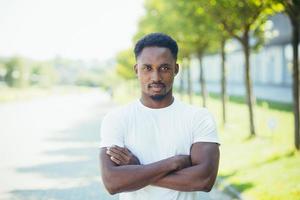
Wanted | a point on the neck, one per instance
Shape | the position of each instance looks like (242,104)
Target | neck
(150,103)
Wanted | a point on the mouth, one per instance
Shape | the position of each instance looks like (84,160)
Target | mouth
(156,87)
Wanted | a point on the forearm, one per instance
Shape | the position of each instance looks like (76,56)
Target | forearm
(188,179)
(201,175)
(133,177)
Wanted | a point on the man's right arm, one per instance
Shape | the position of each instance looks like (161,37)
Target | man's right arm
(133,177)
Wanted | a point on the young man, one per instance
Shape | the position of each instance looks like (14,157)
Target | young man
(157,147)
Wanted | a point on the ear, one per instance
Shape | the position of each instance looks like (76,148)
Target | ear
(135,69)
(176,69)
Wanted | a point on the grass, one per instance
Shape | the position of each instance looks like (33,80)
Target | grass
(264,167)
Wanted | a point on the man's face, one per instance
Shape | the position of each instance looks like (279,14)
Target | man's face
(156,69)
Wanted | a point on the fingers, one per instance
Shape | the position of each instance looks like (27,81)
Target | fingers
(115,160)
(116,154)
(123,149)
(121,156)
(119,150)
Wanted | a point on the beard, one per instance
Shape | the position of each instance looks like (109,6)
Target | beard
(158,97)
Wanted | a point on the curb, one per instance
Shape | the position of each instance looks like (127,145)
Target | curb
(228,189)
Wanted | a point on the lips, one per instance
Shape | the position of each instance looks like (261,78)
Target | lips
(156,87)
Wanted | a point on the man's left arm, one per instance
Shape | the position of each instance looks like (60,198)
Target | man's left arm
(201,175)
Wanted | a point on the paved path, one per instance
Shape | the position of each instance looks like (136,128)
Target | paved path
(48,148)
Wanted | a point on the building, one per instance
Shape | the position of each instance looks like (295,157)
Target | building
(271,66)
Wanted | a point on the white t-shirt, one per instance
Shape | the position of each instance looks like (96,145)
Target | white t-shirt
(156,134)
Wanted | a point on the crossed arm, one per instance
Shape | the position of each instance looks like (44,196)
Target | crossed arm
(121,170)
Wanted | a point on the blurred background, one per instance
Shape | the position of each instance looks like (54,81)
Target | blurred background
(65,64)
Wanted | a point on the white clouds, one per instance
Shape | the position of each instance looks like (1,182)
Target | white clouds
(82,29)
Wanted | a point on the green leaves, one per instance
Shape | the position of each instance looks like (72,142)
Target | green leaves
(125,63)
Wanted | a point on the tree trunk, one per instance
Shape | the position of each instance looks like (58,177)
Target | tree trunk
(181,83)
(295,42)
(202,82)
(223,79)
(189,81)
(248,83)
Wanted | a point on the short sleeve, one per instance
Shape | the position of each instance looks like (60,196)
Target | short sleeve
(112,130)
(204,127)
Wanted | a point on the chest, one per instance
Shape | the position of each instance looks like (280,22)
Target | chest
(156,137)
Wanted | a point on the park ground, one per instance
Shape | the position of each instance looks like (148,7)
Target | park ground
(49,144)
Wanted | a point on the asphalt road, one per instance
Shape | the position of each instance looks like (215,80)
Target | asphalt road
(49,148)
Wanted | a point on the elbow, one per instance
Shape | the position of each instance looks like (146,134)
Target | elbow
(110,185)
(205,185)
(202,188)
(111,191)
(208,184)
(207,188)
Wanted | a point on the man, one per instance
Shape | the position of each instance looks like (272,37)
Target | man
(157,147)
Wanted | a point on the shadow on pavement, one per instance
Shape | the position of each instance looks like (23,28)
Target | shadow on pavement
(85,168)
(87,192)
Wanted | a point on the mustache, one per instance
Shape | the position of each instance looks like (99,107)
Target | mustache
(155,84)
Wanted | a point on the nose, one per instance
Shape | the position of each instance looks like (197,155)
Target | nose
(155,76)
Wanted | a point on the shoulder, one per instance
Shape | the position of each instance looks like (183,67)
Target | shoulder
(196,115)
(192,110)
(120,112)
(203,115)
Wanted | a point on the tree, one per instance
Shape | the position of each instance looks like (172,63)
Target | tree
(125,62)
(224,37)
(292,9)
(241,20)
(2,70)
(43,74)
(187,68)
(200,33)
(17,72)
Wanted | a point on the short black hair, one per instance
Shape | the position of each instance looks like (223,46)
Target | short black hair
(156,40)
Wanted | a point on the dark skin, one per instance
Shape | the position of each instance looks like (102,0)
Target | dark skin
(199,176)
(122,171)
(156,69)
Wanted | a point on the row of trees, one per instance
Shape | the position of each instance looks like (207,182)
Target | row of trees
(204,26)
(20,72)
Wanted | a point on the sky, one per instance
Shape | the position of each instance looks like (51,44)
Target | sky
(75,29)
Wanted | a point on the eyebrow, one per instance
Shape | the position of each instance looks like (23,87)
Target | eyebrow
(164,64)
(147,65)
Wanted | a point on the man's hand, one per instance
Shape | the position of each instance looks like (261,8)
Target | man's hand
(122,156)
(182,161)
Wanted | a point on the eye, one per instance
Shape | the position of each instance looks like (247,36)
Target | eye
(164,68)
(147,68)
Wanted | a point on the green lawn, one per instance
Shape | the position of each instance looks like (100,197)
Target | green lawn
(265,167)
